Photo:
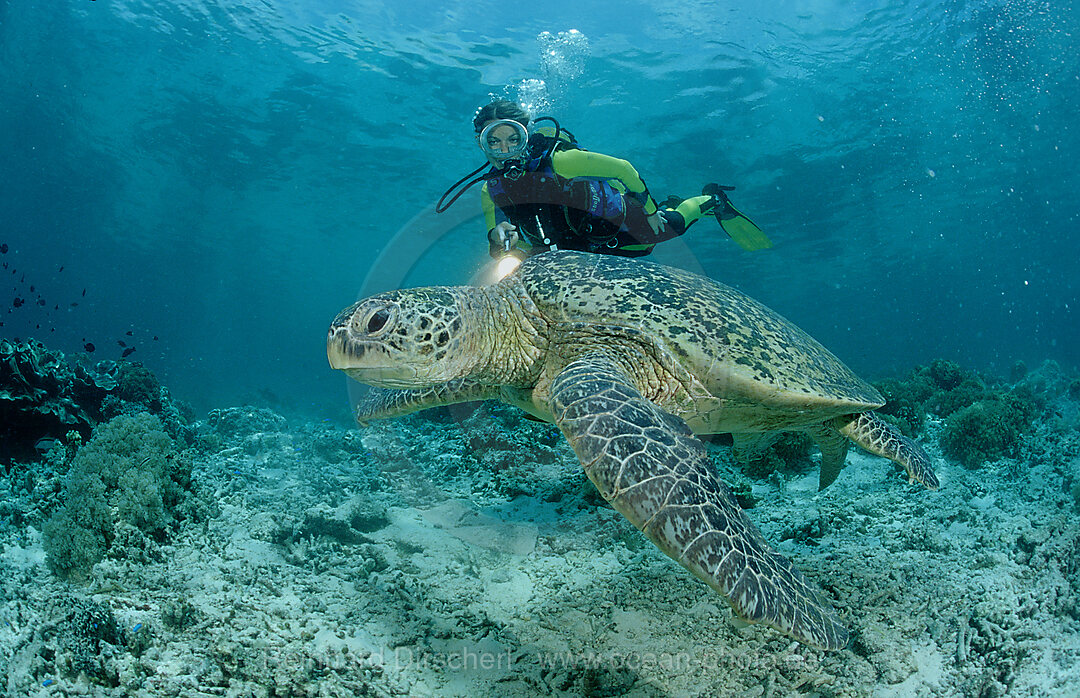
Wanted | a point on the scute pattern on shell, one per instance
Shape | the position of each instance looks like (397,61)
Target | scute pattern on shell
(717,331)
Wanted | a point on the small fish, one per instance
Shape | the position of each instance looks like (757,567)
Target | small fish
(129,333)
(17,303)
(127,352)
(120,343)
(84,292)
(31,288)
(57,307)
(41,301)
(3,248)
(155,338)
(61,268)
(74,305)
(89,346)
(47,443)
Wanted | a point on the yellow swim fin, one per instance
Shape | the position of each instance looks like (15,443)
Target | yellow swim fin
(742,230)
(738,227)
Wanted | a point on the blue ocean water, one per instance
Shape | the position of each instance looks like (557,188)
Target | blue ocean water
(210,182)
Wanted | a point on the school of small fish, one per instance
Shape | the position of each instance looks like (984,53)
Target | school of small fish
(22,292)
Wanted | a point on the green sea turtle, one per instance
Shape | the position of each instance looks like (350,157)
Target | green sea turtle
(630,359)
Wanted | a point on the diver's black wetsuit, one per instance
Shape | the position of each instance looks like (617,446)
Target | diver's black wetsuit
(580,200)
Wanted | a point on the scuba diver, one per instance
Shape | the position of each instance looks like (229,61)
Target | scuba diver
(542,191)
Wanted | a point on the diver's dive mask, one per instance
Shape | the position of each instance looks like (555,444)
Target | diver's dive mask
(506,143)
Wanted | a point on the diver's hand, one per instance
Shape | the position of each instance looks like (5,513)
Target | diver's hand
(656,222)
(505,234)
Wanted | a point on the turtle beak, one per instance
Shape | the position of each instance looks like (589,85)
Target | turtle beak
(383,377)
(366,364)
(363,359)
(342,350)
(340,357)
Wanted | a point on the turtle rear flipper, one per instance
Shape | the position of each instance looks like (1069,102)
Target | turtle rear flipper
(648,465)
(834,447)
(832,443)
(877,436)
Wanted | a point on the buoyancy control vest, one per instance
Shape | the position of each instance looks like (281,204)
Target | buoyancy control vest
(541,203)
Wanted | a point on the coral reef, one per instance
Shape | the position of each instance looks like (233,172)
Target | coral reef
(939,388)
(788,455)
(985,419)
(43,396)
(463,552)
(126,484)
(87,629)
(989,429)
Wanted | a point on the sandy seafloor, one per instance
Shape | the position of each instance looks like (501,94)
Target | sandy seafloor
(462,552)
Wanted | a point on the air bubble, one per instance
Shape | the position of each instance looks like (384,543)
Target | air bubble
(563,55)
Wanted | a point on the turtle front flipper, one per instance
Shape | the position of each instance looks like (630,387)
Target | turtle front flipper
(648,465)
(834,447)
(877,436)
(380,403)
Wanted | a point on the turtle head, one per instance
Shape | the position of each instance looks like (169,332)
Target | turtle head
(402,339)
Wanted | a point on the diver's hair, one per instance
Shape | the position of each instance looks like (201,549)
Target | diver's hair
(500,109)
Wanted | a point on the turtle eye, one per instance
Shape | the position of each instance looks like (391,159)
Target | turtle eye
(377,320)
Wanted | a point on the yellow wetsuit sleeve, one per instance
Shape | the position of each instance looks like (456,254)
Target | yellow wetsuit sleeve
(582,163)
(488,207)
